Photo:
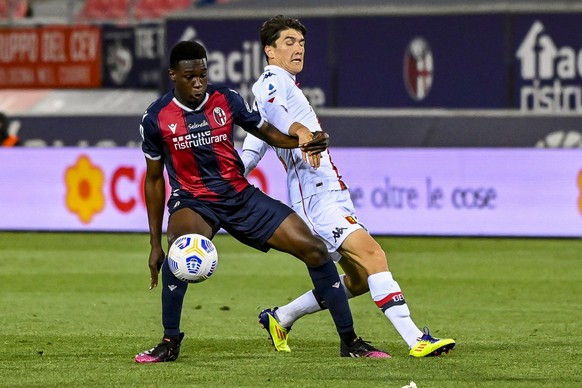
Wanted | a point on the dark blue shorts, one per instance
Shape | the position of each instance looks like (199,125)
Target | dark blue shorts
(251,217)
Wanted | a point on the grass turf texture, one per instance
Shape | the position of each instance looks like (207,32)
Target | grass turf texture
(76,309)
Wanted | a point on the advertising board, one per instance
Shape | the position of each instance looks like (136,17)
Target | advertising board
(548,53)
(132,56)
(50,57)
(391,62)
(440,192)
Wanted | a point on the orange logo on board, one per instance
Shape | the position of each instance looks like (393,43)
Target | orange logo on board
(84,183)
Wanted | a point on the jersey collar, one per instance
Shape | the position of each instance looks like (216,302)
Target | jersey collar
(275,69)
(188,109)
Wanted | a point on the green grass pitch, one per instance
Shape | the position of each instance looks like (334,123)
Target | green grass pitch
(75,309)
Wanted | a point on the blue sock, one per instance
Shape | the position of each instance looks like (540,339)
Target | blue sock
(328,286)
(173,291)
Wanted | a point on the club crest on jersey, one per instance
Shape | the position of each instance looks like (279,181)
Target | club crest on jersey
(219,116)
(351,220)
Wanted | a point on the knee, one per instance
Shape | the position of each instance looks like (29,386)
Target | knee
(316,252)
(376,261)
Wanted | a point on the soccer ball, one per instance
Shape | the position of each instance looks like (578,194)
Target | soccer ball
(192,258)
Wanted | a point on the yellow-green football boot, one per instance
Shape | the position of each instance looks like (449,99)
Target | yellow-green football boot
(428,346)
(278,333)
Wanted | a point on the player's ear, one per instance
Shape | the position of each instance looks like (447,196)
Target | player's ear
(172,74)
(269,51)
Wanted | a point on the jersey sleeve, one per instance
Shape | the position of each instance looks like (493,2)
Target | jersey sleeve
(152,142)
(245,117)
(253,151)
(271,101)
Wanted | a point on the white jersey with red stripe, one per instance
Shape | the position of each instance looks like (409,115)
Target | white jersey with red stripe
(281,102)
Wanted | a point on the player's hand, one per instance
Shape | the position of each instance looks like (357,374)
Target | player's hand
(155,263)
(318,143)
(304,136)
(314,147)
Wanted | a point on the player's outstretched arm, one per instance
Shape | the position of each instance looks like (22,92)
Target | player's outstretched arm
(155,195)
(272,136)
(300,136)
(306,140)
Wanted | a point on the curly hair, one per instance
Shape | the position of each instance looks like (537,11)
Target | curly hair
(186,50)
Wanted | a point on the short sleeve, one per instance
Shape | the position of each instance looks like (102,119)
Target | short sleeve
(245,117)
(271,98)
(152,143)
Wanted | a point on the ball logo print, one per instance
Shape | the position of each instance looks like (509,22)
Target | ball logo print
(192,258)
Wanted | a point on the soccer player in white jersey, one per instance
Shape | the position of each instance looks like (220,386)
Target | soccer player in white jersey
(322,199)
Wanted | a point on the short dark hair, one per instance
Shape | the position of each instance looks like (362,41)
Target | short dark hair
(186,50)
(271,29)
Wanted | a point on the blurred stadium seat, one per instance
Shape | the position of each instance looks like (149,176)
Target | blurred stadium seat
(4,9)
(156,9)
(105,10)
(14,9)
(123,11)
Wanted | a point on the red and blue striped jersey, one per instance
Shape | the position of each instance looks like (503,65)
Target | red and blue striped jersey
(196,145)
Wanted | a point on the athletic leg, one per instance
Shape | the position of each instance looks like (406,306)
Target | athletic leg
(361,250)
(181,222)
(295,238)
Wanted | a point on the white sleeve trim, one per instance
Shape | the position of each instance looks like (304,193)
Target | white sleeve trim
(152,157)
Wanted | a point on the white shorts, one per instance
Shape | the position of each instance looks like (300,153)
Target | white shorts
(331,216)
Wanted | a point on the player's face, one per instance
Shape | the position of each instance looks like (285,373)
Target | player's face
(191,81)
(288,51)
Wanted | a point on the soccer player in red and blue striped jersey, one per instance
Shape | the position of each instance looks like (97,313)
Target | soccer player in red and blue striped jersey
(189,132)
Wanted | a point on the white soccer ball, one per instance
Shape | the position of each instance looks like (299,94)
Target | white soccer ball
(192,258)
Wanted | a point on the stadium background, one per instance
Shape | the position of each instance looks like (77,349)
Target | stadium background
(441,114)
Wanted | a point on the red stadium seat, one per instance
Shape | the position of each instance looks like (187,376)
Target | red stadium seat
(20,9)
(4,9)
(105,10)
(157,9)
(13,9)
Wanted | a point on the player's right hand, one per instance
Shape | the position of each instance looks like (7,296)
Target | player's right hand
(316,144)
(313,148)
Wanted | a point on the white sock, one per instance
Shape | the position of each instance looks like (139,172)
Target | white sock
(301,306)
(386,292)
